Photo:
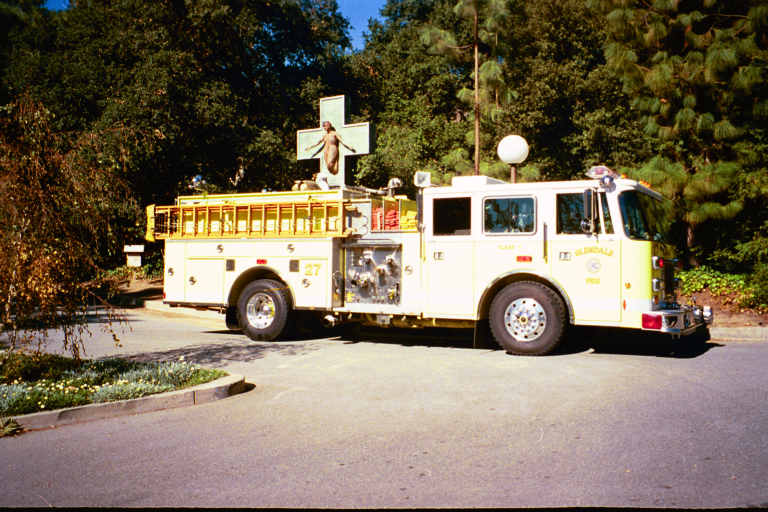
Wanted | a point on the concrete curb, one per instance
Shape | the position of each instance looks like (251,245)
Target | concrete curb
(738,333)
(157,305)
(215,390)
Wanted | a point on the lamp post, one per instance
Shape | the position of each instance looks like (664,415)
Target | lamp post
(512,150)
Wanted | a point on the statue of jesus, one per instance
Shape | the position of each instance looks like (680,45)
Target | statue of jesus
(331,141)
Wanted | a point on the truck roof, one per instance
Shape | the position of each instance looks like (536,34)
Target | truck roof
(459,184)
(486,183)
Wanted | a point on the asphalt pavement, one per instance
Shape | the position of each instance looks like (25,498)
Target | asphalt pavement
(413,419)
(716,333)
(234,384)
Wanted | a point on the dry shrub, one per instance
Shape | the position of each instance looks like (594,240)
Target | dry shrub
(52,226)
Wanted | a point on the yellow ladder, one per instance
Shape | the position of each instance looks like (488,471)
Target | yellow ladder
(303,219)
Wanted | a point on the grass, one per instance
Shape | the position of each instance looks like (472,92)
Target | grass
(41,382)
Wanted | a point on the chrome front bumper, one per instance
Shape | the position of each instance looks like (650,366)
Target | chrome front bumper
(678,321)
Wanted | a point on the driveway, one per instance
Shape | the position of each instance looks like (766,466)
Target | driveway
(415,419)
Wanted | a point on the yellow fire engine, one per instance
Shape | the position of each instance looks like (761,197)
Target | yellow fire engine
(528,258)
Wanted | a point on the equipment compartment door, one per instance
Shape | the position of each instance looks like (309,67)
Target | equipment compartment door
(204,281)
(310,283)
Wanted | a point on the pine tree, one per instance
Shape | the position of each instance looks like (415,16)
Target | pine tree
(696,74)
(486,19)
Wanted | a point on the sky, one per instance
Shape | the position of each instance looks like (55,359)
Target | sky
(356,11)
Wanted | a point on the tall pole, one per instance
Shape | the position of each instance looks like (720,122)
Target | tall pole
(477,101)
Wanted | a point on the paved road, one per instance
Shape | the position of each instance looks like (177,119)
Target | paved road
(404,420)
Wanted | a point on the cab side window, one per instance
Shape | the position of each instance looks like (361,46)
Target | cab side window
(509,215)
(570,213)
(451,216)
(606,214)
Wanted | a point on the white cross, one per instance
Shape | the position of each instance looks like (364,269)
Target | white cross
(356,136)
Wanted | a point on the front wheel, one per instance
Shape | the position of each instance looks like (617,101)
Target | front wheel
(262,309)
(527,318)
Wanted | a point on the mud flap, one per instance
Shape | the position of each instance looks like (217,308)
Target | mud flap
(231,318)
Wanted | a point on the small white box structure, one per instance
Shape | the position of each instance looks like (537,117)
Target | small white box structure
(133,255)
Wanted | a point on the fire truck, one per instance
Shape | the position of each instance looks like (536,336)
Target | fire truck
(523,261)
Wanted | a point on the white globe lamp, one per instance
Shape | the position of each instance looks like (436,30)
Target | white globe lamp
(513,149)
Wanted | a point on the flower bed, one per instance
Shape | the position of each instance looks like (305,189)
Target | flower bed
(39,382)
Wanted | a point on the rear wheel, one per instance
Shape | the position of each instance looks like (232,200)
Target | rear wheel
(527,318)
(262,309)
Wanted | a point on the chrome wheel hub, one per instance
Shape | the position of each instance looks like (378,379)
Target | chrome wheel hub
(260,310)
(525,319)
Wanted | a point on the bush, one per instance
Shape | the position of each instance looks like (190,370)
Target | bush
(153,268)
(19,366)
(13,398)
(60,216)
(106,370)
(758,281)
(748,291)
(718,283)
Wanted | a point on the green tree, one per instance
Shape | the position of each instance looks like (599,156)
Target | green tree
(486,20)
(551,86)
(567,104)
(205,88)
(410,96)
(695,72)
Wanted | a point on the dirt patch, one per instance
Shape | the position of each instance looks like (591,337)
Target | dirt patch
(135,291)
(727,311)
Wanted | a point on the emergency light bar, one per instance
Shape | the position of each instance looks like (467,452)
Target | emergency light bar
(599,171)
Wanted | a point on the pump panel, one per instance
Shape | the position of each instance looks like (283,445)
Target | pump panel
(373,274)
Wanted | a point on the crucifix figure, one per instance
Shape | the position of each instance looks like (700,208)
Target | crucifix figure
(333,140)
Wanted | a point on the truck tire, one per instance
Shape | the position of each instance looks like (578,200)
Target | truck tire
(262,309)
(527,318)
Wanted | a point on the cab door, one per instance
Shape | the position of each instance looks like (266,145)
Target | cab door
(586,265)
(449,258)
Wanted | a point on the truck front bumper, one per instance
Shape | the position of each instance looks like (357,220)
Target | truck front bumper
(678,321)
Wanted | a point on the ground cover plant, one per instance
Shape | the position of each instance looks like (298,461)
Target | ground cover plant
(39,382)
(741,290)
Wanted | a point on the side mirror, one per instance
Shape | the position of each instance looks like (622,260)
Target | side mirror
(588,224)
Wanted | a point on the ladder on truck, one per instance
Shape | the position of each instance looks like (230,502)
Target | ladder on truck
(257,219)
(318,214)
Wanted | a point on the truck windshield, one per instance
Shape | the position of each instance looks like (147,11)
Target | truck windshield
(644,217)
